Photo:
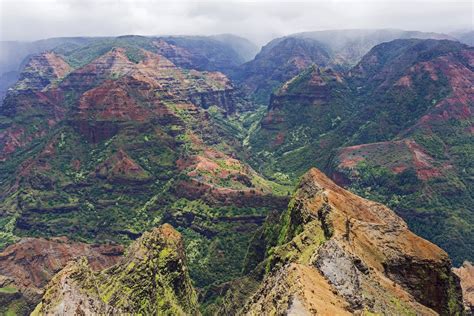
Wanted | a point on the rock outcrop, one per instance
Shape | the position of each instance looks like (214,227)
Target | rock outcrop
(341,254)
(120,168)
(28,265)
(466,274)
(151,279)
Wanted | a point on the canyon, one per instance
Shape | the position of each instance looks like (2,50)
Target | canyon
(177,175)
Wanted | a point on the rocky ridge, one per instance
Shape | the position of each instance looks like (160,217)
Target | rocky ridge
(341,254)
(396,128)
(28,265)
(152,279)
(466,274)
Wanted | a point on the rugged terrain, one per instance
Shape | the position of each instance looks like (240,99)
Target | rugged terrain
(28,265)
(340,254)
(151,279)
(335,253)
(103,151)
(466,274)
(283,58)
(220,52)
(395,128)
(106,143)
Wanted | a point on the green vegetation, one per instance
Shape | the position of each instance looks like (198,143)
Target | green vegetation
(112,179)
(152,276)
(8,290)
(307,126)
(84,55)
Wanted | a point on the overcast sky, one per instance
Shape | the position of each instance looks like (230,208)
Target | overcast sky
(259,21)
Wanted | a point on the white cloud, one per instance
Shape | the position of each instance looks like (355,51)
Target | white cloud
(257,20)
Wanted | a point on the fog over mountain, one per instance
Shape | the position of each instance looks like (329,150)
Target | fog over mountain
(260,21)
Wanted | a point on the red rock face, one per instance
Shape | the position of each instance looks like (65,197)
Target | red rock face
(114,89)
(59,67)
(178,55)
(15,137)
(120,167)
(11,139)
(458,105)
(110,90)
(112,64)
(32,262)
(34,108)
(110,101)
(42,70)
(409,154)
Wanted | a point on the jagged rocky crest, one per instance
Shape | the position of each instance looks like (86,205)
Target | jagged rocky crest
(28,265)
(151,279)
(340,254)
(336,253)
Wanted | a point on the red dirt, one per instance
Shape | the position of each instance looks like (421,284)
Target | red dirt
(349,157)
(120,165)
(422,162)
(32,262)
(110,101)
(279,139)
(59,66)
(458,104)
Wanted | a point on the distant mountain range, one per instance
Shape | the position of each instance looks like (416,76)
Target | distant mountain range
(207,52)
(284,57)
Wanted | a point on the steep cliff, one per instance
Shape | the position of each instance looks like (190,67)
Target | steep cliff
(28,265)
(341,254)
(42,70)
(151,279)
(466,274)
(396,128)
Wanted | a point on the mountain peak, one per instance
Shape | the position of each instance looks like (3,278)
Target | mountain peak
(152,278)
(357,249)
(42,70)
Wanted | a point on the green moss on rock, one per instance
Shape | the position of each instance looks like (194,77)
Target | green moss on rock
(152,279)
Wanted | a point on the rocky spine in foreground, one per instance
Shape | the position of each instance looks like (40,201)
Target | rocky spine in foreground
(28,265)
(151,279)
(340,254)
